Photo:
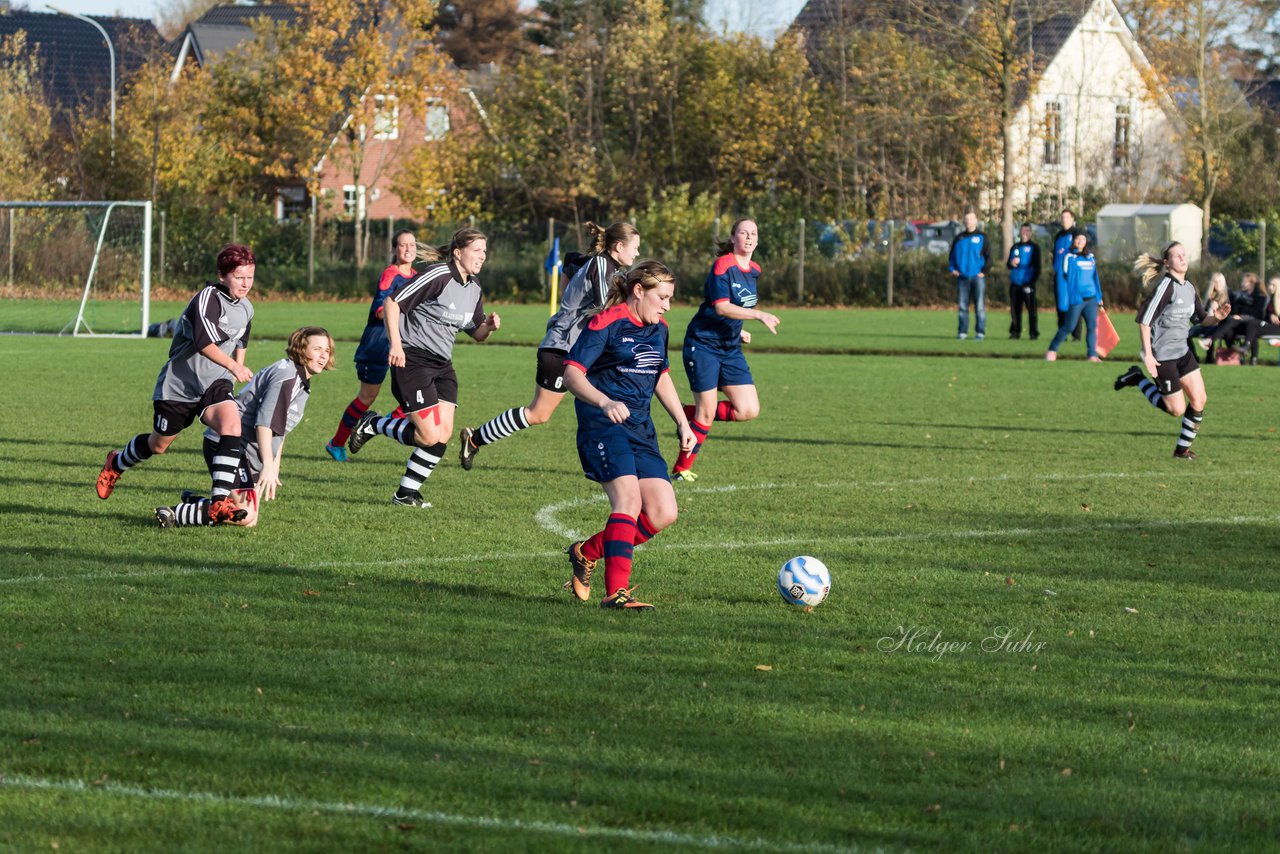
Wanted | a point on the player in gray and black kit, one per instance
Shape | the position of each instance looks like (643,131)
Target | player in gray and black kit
(613,249)
(270,407)
(207,353)
(1163,322)
(423,318)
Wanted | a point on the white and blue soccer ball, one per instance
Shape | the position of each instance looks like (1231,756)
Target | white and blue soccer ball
(804,581)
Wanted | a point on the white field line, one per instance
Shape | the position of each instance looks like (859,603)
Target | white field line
(409,814)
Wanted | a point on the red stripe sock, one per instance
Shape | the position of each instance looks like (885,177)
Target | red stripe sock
(724,411)
(685,461)
(689,409)
(593,546)
(619,533)
(355,409)
(645,530)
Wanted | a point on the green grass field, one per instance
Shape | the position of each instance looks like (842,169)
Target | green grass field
(1088,624)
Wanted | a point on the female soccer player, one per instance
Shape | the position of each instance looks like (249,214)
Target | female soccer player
(207,353)
(713,342)
(422,320)
(371,355)
(1083,297)
(585,293)
(614,370)
(1163,321)
(270,407)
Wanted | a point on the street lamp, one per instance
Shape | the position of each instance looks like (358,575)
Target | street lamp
(111,52)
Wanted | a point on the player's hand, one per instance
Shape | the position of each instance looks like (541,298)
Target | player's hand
(241,373)
(616,411)
(1152,365)
(396,357)
(1016,262)
(745,336)
(685,434)
(494,321)
(1222,311)
(267,487)
(771,321)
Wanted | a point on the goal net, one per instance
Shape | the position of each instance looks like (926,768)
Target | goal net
(75,268)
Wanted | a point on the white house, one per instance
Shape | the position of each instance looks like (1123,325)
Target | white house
(1089,118)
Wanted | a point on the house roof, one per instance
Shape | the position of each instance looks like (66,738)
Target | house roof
(75,65)
(223,28)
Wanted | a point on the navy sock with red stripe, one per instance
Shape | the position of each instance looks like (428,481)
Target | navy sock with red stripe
(619,534)
(685,461)
(350,416)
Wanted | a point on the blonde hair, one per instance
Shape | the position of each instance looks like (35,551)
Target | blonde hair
(1218,289)
(1273,284)
(462,238)
(295,351)
(604,239)
(1149,266)
(724,247)
(646,274)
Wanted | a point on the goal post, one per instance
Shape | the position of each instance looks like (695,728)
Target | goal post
(93,255)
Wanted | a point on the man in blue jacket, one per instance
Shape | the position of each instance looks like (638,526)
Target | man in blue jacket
(1061,249)
(968,264)
(1024,271)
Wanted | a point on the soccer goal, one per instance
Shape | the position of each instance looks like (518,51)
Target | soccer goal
(79,268)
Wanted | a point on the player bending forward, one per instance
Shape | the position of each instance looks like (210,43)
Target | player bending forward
(270,407)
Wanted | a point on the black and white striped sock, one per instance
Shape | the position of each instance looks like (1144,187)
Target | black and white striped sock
(192,513)
(500,427)
(399,429)
(1154,397)
(137,450)
(1190,427)
(422,462)
(226,459)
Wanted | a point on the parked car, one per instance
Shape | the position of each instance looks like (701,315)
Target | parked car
(851,238)
(936,237)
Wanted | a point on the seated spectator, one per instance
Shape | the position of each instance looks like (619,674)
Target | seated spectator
(1214,296)
(1248,313)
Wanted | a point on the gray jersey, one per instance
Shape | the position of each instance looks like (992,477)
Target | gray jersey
(586,291)
(212,317)
(275,398)
(1170,310)
(435,307)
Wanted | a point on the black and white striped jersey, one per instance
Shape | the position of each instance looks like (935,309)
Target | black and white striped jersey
(586,291)
(1170,310)
(275,398)
(212,317)
(436,306)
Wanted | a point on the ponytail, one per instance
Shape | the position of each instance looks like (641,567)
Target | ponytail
(1149,266)
(462,238)
(647,274)
(604,239)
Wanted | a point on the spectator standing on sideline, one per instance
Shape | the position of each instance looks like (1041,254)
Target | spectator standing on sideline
(1061,249)
(1024,272)
(969,261)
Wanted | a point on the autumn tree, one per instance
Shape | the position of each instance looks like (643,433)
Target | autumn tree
(475,32)
(25,122)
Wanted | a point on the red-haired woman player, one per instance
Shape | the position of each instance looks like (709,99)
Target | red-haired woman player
(615,369)
(207,353)
(713,358)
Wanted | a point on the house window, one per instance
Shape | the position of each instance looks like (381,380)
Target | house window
(353,200)
(1120,147)
(292,204)
(436,120)
(1052,133)
(386,117)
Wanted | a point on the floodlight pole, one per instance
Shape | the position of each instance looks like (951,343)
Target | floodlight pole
(111,52)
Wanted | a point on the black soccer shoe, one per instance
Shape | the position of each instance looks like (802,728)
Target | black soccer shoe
(412,500)
(467,453)
(362,432)
(1131,377)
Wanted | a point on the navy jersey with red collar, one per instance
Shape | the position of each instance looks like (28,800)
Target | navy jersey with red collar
(389,282)
(624,359)
(727,282)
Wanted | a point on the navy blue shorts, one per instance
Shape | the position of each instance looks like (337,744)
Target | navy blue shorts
(372,354)
(608,453)
(713,366)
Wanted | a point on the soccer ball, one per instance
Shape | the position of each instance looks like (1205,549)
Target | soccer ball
(804,581)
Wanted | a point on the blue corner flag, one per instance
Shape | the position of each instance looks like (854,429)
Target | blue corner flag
(553,257)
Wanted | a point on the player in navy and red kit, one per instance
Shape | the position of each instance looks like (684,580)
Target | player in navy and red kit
(371,355)
(422,321)
(207,353)
(613,248)
(614,370)
(713,342)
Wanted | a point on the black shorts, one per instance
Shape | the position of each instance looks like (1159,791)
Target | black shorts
(174,416)
(1169,374)
(551,370)
(424,381)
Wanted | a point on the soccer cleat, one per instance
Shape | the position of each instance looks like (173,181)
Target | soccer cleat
(108,476)
(166,518)
(580,581)
(1132,376)
(338,452)
(414,500)
(1051,356)
(624,599)
(362,432)
(1094,359)
(686,476)
(223,511)
(467,453)
(1180,454)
